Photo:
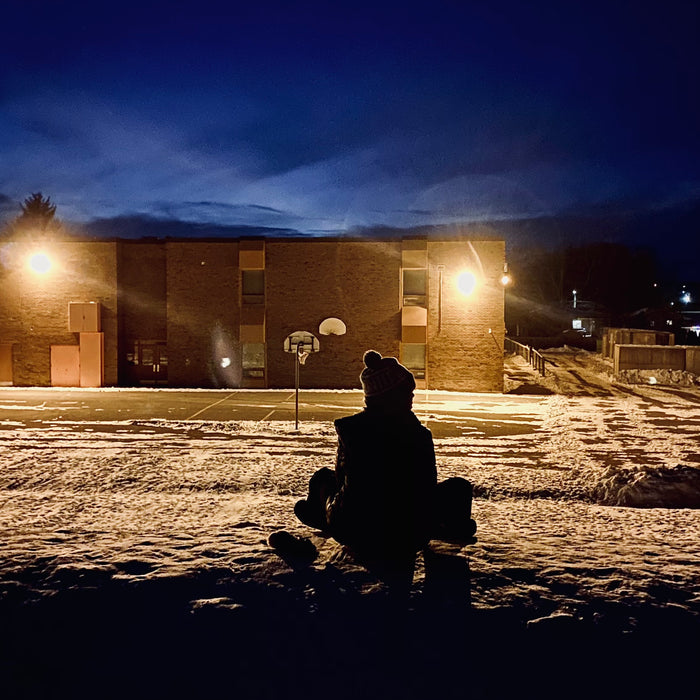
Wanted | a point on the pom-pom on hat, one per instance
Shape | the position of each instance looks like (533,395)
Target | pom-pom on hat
(384,374)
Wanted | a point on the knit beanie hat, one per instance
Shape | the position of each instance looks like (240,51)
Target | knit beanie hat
(384,374)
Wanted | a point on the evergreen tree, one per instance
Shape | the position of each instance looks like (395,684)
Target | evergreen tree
(38,216)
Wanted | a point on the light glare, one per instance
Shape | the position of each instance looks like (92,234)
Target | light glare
(466,282)
(40,263)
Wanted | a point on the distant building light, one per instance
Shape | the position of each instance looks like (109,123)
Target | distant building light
(686,298)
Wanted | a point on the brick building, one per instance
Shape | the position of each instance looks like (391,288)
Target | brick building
(216,312)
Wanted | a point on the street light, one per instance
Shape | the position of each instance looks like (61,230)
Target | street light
(466,282)
(505,278)
(40,263)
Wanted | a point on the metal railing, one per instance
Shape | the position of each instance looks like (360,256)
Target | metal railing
(525,351)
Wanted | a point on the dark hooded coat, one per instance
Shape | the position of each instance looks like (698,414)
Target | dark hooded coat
(385,483)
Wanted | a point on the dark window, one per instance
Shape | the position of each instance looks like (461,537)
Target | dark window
(413,358)
(415,284)
(253,286)
(253,360)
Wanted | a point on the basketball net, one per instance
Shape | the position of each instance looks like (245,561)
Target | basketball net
(302,357)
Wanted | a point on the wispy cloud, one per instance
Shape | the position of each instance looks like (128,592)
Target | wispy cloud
(204,162)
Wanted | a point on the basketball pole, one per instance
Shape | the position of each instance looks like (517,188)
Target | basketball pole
(296,344)
(296,383)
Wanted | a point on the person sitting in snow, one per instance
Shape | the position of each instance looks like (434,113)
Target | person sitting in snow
(382,500)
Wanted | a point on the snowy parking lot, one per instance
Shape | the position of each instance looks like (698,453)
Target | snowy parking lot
(588,513)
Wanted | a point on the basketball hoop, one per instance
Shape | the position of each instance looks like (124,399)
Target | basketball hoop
(301,344)
(301,341)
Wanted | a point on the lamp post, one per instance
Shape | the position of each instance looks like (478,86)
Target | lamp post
(574,293)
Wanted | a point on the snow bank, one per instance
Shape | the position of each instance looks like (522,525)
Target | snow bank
(666,377)
(649,487)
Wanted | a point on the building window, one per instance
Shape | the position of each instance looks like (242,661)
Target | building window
(253,360)
(413,358)
(415,286)
(253,286)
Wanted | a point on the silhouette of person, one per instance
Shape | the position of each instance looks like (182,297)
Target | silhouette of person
(382,500)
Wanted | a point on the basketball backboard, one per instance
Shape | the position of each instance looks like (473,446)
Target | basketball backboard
(301,342)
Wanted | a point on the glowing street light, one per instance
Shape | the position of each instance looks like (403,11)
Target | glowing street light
(466,283)
(40,263)
(505,278)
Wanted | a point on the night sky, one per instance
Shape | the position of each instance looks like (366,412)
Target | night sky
(331,116)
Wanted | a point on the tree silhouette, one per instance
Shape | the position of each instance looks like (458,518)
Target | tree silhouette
(38,216)
(613,279)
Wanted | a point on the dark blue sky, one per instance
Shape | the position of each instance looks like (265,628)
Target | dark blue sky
(326,116)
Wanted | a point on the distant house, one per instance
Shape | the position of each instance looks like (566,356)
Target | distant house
(216,312)
(681,319)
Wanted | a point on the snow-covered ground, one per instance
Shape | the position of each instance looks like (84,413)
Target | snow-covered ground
(134,559)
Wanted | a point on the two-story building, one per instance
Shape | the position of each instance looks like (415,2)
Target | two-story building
(216,312)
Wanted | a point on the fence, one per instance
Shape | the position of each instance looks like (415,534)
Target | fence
(633,336)
(654,357)
(527,352)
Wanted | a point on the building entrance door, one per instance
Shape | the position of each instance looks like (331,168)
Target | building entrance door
(149,363)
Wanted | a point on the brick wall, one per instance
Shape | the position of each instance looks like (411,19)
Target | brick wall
(142,290)
(34,308)
(188,293)
(203,313)
(311,280)
(465,334)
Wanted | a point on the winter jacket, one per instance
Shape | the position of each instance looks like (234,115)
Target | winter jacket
(386,477)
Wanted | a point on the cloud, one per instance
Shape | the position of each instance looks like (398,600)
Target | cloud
(226,214)
(143,226)
(95,157)
(410,156)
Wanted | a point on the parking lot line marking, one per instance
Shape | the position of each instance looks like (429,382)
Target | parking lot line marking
(211,405)
(291,396)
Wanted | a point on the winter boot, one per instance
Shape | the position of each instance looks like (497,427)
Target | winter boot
(453,506)
(312,510)
(313,517)
(296,551)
